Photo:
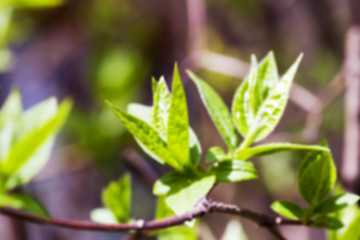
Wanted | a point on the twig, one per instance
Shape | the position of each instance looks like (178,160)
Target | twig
(140,226)
(136,161)
(350,166)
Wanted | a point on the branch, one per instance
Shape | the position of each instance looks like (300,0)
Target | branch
(140,226)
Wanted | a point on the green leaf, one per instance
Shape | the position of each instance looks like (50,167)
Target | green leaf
(194,147)
(233,171)
(161,107)
(234,230)
(10,115)
(117,198)
(36,3)
(266,149)
(243,106)
(172,180)
(24,202)
(288,209)
(217,110)
(154,145)
(182,197)
(26,147)
(172,233)
(140,111)
(317,176)
(324,221)
(216,154)
(335,203)
(103,215)
(178,122)
(350,217)
(272,108)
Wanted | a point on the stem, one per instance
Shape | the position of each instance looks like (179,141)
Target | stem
(140,226)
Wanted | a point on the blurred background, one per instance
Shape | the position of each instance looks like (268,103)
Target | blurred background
(91,50)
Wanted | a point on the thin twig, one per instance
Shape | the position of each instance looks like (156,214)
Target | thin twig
(203,208)
(350,165)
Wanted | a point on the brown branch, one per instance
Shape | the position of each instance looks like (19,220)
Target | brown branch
(140,226)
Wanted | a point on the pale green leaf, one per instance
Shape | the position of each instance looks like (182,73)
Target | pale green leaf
(243,106)
(317,176)
(26,147)
(335,203)
(178,122)
(147,136)
(103,215)
(182,200)
(161,107)
(288,209)
(234,231)
(140,111)
(172,233)
(117,198)
(10,115)
(266,149)
(273,107)
(233,171)
(217,110)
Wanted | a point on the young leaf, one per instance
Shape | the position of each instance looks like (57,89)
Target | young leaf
(103,215)
(335,203)
(172,180)
(266,149)
(288,209)
(9,116)
(216,154)
(272,108)
(153,144)
(24,202)
(182,200)
(174,233)
(217,110)
(140,111)
(234,230)
(161,107)
(194,147)
(178,122)
(267,77)
(324,221)
(233,171)
(26,147)
(317,176)
(244,102)
(117,198)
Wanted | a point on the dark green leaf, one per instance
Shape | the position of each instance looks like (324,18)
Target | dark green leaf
(217,110)
(328,222)
(117,198)
(233,171)
(288,209)
(172,180)
(317,176)
(335,203)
